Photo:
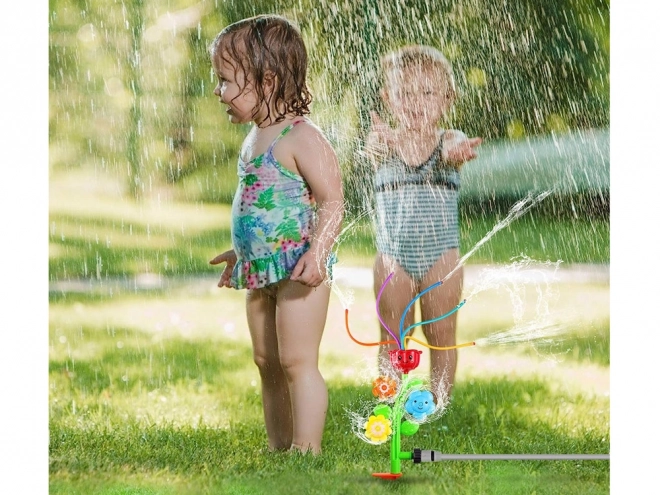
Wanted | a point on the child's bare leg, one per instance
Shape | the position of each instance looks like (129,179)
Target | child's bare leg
(435,303)
(261,308)
(301,316)
(398,292)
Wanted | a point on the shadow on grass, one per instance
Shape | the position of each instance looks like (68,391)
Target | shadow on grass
(153,365)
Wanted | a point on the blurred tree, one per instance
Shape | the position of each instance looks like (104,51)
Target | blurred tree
(234,11)
(183,154)
(133,77)
(523,60)
(117,97)
(530,64)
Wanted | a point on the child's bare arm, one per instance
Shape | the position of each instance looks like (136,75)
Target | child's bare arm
(318,164)
(380,140)
(458,148)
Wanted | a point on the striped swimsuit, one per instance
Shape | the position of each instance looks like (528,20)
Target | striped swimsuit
(416,211)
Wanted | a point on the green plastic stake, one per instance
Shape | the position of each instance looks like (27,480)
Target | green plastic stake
(397,414)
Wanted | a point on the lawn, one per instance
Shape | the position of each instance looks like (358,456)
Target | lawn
(95,233)
(152,389)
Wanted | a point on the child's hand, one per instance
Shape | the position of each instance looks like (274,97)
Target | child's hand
(381,137)
(459,149)
(228,257)
(309,271)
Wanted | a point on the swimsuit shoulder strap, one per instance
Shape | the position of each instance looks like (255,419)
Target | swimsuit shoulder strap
(284,132)
(437,153)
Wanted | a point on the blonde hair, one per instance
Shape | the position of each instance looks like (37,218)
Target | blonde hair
(420,56)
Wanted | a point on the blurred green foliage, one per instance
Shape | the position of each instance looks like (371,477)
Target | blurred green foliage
(131,82)
(544,65)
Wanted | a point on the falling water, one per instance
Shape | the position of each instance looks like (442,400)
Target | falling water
(516,211)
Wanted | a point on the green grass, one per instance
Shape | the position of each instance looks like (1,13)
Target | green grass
(486,416)
(189,414)
(593,347)
(541,237)
(155,392)
(116,237)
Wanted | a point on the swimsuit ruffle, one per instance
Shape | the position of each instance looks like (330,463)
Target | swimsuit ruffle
(254,274)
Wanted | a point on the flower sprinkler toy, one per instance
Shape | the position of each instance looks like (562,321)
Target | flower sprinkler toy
(404,404)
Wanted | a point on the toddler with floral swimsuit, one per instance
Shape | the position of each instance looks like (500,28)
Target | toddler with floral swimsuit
(286,215)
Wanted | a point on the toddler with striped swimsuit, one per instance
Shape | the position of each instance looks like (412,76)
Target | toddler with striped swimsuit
(416,183)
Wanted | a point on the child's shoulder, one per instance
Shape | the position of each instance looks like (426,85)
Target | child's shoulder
(306,130)
(304,138)
(305,125)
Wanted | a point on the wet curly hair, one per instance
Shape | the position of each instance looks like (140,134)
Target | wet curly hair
(265,46)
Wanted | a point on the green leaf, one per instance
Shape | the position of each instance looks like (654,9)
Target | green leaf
(250,179)
(408,428)
(383,409)
(289,229)
(265,200)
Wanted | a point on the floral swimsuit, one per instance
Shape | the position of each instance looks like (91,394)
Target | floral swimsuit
(273,216)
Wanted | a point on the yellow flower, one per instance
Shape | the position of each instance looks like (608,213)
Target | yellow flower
(384,387)
(378,428)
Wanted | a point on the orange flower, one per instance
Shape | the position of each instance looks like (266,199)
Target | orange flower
(384,387)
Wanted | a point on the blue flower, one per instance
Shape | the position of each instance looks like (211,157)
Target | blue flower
(420,404)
